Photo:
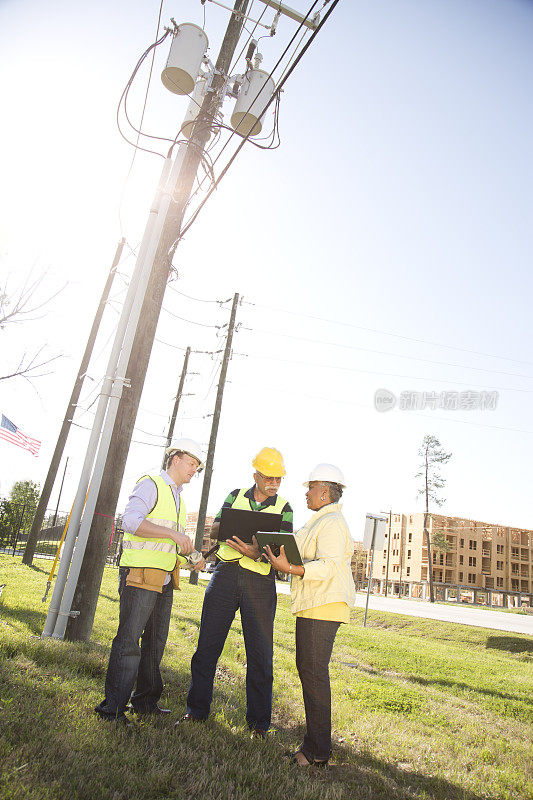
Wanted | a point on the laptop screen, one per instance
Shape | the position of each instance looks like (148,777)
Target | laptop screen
(244,524)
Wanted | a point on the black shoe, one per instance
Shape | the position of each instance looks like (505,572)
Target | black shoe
(153,712)
(118,719)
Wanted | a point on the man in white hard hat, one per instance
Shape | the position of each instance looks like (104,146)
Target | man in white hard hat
(241,581)
(154,547)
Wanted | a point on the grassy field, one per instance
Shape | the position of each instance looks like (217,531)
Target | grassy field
(421,709)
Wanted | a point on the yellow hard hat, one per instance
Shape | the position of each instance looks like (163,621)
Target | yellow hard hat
(269,462)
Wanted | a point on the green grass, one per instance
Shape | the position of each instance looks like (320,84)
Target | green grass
(421,709)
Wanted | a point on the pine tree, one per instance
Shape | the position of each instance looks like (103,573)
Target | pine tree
(432,456)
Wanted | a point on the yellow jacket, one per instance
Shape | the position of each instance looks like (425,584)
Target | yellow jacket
(326,548)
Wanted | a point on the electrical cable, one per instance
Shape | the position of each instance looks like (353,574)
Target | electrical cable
(237,58)
(126,91)
(141,123)
(271,136)
(178,347)
(321,24)
(314,366)
(276,94)
(414,413)
(387,353)
(135,441)
(271,73)
(191,321)
(247,137)
(199,299)
(218,125)
(385,333)
(214,372)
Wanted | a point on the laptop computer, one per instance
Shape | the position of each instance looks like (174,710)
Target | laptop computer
(245,524)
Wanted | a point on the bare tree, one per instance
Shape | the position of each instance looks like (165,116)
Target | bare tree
(432,456)
(24,305)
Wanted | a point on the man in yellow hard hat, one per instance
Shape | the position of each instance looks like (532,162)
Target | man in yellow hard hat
(242,581)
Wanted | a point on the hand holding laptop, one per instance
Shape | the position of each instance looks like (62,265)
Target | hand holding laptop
(245,549)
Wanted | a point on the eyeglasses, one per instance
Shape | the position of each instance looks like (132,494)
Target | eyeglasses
(269,478)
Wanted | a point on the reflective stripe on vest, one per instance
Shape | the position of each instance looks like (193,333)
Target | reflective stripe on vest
(226,553)
(138,551)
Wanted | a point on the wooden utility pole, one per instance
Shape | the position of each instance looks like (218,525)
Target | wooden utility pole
(90,578)
(213,438)
(401,557)
(388,555)
(69,413)
(176,404)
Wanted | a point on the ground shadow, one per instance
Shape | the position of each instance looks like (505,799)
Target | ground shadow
(469,688)
(445,684)
(371,777)
(33,619)
(79,764)
(512,644)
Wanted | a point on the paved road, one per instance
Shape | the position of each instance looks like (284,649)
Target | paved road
(466,615)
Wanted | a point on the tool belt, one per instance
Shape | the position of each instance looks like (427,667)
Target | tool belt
(151,578)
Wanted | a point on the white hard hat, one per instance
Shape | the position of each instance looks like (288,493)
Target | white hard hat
(326,472)
(190,447)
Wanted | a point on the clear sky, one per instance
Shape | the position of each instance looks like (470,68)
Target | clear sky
(385,245)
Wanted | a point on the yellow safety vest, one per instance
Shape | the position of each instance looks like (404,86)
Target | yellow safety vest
(138,551)
(227,553)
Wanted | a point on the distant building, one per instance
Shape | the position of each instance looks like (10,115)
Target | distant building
(190,529)
(359,564)
(481,556)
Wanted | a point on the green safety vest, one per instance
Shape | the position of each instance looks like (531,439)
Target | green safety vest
(156,553)
(227,553)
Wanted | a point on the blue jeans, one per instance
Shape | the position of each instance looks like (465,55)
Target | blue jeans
(314,643)
(144,615)
(232,587)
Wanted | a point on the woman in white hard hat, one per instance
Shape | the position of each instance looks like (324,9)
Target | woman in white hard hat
(322,593)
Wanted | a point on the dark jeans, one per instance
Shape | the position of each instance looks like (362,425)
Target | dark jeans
(232,587)
(314,643)
(144,615)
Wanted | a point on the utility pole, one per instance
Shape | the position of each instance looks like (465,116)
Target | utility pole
(69,413)
(213,438)
(176,404)
(90,573)
(401,557)
(388,555)
(60,491)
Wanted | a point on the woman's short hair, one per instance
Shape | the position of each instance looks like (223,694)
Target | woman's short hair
(335,490)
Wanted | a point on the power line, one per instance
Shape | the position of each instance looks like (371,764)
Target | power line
(414,413)
(246,138)
(383,332)
(142,117)
(191,321)
(345,324)
(387,353)
(467,422)
(314,365)
(125,94)
(199,299)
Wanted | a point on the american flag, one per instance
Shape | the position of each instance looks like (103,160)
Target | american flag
(10,432)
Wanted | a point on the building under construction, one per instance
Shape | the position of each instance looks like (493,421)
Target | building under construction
(483,562)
